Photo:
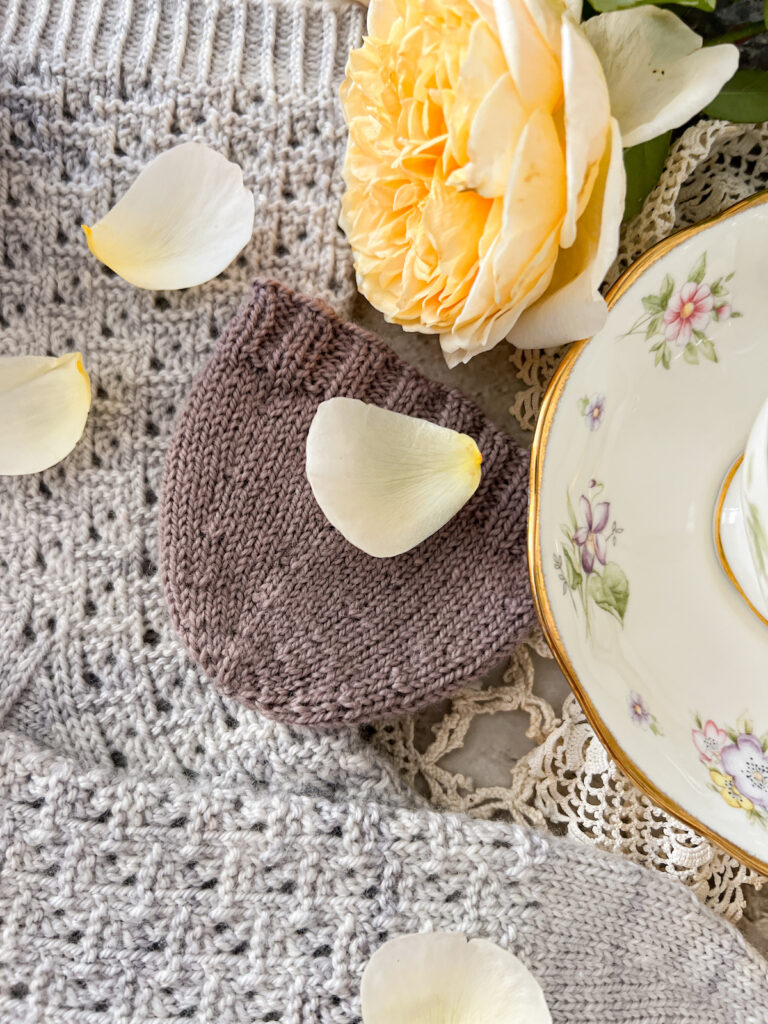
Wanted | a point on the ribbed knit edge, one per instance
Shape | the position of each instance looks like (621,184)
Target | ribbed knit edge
(202,41)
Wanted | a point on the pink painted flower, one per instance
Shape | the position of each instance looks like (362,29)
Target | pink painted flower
(590,536)
(709,741)
(723,311)
(688,311)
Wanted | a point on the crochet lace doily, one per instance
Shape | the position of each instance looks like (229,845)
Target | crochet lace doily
(567,782)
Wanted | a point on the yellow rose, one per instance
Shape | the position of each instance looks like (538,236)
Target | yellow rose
(484,172)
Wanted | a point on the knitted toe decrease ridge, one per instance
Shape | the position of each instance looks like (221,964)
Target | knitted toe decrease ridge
(273,602)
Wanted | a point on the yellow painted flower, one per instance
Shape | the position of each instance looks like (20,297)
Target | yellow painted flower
(484,172)
(728,790)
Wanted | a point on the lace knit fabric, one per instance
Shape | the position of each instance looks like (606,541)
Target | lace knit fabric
(276,605)
(165,853)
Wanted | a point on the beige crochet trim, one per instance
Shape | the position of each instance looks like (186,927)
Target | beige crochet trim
(567,782)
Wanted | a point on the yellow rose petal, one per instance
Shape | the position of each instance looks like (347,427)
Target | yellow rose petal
(44,403)
(387,481)
(534,67)
(181,223)
(572,307)
(587,117)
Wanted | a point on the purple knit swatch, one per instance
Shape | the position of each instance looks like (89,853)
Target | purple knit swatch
(274,603)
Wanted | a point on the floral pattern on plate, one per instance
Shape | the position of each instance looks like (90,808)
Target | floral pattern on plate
(594,582)
(677,319)
(737,760)
(592,409)
(640,714)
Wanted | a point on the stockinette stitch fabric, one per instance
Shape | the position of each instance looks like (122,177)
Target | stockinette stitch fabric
(166,853)
(274,603)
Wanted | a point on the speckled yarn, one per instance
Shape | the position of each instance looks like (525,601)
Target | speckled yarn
(275,604)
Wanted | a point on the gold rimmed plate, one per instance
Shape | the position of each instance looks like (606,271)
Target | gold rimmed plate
(637,431)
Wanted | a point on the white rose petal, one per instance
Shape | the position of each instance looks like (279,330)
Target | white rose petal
(440,977)
(572,307)
(387,481)
(182,221)
(44,403)
(658,73)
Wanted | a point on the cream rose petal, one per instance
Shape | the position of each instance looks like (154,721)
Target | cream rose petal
(658,73)
(572,307)
(182,221)
(387,481)
(587,116)
(382,15)
(44,403)
(493,138)
(534,67)
(439,976)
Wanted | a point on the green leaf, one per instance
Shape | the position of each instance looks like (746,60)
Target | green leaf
(643,164)
(657,346)
(653,304)
(689,353)
(573,575)
(667,286)
(698,272)
(707,349)
(610,590)
(666,357)
(743,99)
(654,326)
(582,405)
(571,513)
(732,735)
(699,724)
(624,5)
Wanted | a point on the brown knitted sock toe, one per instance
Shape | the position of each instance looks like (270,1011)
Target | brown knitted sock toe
(276,605)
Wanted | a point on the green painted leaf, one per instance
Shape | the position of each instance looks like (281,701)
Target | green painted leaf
(610,590)
(653,326)
(718,289)
(707,349)
(689,354)
(743,99)
(732,735)
(582,405)
(573,575)
(666,358)
(699,723)
(667,287)
(643,163)
(698,272)
(658,345)
(659,354)
(652,304)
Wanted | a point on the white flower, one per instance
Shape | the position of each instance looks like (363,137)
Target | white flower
(44,404)
(181,223)
(387,481)
(440,978)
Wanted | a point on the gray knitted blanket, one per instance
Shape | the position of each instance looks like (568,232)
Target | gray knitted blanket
(165,853)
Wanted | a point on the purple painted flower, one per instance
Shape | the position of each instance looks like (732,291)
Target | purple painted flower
(637,709)
(594,412)
(590,536)
(747,764)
